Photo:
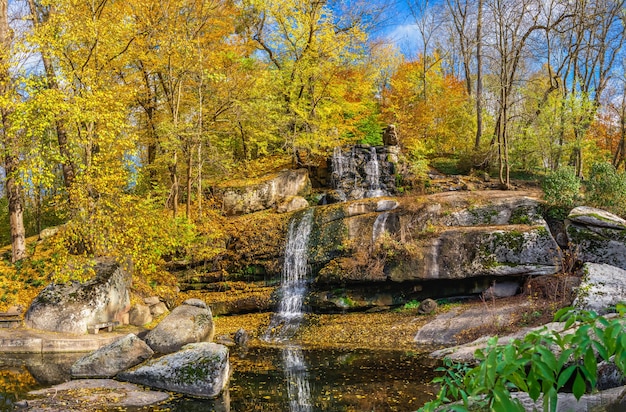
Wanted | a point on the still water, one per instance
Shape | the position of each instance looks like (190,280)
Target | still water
(273,379)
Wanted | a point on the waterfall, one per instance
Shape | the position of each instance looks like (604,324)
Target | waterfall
(372,170)
(286,320)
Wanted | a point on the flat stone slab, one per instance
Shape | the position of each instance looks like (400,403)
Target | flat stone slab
(89,395)
(25,340)
(443,330)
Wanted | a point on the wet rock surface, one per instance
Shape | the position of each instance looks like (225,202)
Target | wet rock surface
(198,369)
(89,395)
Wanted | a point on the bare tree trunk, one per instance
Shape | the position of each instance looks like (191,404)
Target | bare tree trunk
(189,180)
(479,77)
(11,157)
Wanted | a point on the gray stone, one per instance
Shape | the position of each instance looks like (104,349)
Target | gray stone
(185,324)
(597,236)
(199,369)
(427,306)
(87,395)
(445,328)
(511,210)
(158,309)
(590,216)
(609,375)
(199,303)
(386,205)
(109,360)
(602,287)
(291,204)
(480,251)
(501,290)
(241,337)
(151,300)
(266,192)
(567,402)
(465,352)
(73,306)
(139,315)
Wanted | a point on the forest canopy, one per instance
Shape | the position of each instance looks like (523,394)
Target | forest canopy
(120,117)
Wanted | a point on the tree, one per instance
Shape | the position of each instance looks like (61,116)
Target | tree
(440,123)
(310,50)
(10,139)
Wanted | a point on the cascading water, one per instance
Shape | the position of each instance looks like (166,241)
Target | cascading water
(285,322)
(372,170)
(361,172)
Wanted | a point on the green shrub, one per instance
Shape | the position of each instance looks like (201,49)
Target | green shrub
(606,188)
(529,365)
(561,188)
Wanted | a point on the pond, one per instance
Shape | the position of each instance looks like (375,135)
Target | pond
(284,378)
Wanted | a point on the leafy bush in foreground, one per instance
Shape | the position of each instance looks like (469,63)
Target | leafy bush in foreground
(561,188)
(529,365)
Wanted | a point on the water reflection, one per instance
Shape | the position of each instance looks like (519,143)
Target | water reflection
(297,377)
(277,379)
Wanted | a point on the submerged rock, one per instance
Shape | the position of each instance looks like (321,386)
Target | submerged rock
(109,360)
(198,369)
(190,322)
(71,307)
(86,395)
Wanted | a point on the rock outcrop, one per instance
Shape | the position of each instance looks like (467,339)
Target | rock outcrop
(602,287)
(112,359)
(363,171)
(597,236)
(435,237)
(199,369)
(188,323)
(265,193)
(73,306)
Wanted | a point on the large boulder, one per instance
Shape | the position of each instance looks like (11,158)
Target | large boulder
(266,192)
(602,287)
(188,323)
(109,360)
(597,236)
(71,307)
(199,369)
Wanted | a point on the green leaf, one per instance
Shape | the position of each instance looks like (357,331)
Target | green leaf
(548,357)
(602,351)
(565,375)
(563,314)
(503,401)
(579,387)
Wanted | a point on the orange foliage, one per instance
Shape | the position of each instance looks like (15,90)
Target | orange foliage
(430,107)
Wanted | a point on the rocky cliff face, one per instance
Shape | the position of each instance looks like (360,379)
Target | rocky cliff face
(363,171)
(416,247)
(368,248)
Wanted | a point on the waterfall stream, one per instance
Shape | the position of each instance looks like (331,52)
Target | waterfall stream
(286,320)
